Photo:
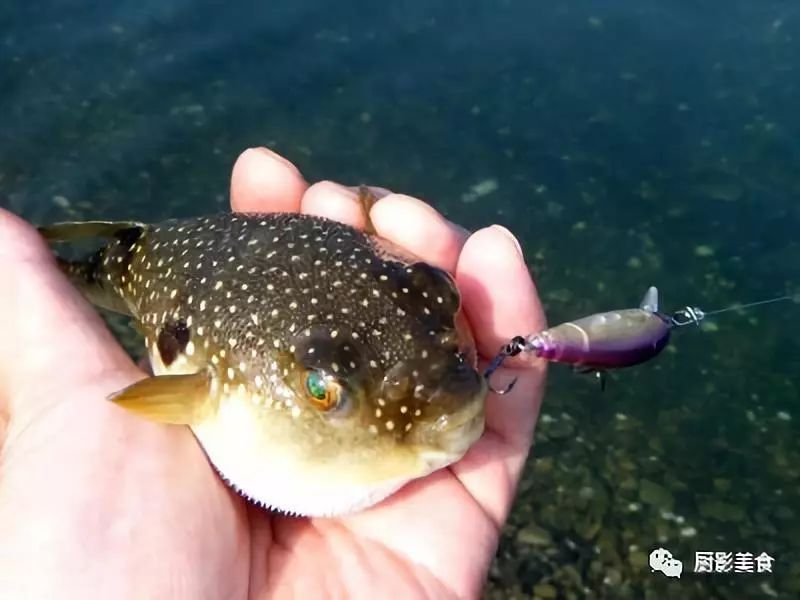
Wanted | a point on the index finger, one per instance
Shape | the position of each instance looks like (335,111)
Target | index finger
(263,181)
(499,295)
(409,223)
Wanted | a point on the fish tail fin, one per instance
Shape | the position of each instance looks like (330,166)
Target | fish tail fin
(99,275)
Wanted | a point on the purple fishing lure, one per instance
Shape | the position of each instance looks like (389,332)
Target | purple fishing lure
(613,339)
(608,340)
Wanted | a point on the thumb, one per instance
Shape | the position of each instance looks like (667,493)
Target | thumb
(52,339)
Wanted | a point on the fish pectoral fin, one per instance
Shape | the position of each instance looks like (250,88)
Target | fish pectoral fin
(65,232)
(172,399)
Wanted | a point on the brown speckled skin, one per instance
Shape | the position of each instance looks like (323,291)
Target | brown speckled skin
(271,288)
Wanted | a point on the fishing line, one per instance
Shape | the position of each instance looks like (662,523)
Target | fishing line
(693,314)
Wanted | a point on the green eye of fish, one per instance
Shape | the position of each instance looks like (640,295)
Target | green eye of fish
(315,384)
(323,393)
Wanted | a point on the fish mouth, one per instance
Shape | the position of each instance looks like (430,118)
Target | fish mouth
(447,439)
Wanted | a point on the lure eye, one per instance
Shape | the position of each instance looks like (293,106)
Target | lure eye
(324,393)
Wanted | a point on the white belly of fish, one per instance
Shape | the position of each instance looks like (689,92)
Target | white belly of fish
(267,474)
(254,456)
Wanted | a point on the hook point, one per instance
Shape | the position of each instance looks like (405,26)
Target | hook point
(507,389)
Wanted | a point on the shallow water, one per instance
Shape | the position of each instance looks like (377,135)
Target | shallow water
(644,143)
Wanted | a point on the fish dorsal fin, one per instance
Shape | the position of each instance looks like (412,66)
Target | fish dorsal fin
(69,231)
(172,399)
(650,300)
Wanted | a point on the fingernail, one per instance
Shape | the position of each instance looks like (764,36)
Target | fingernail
(511,237)
(331,187)
(378,192)
(267,153)
(463,232)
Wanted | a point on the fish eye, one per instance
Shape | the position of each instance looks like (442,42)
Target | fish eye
(323,392)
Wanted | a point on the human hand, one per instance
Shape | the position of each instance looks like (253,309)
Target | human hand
(97,502)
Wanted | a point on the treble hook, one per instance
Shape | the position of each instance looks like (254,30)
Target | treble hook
(514,347)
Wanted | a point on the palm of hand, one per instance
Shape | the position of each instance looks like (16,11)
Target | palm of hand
(116,499)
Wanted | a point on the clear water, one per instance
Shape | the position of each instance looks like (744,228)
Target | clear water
(629,144)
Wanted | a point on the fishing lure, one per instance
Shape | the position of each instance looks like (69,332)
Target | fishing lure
(609,340)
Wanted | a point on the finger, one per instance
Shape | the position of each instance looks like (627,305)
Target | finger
(145,365)
(334,201)
(500,298)
(263,181)
(501,301)
(418,227)
(45,322)
(407,222)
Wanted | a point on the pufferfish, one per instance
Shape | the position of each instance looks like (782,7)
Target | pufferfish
(319,367)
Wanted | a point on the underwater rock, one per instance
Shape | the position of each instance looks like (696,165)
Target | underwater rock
(561,428)
(721,511)
(727,191)
(534,535)
(637,559)
(61,201)
(543,465)
(588,528)
(703,251)
(612,577)
(480,189)
(655,495)
(545,590)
